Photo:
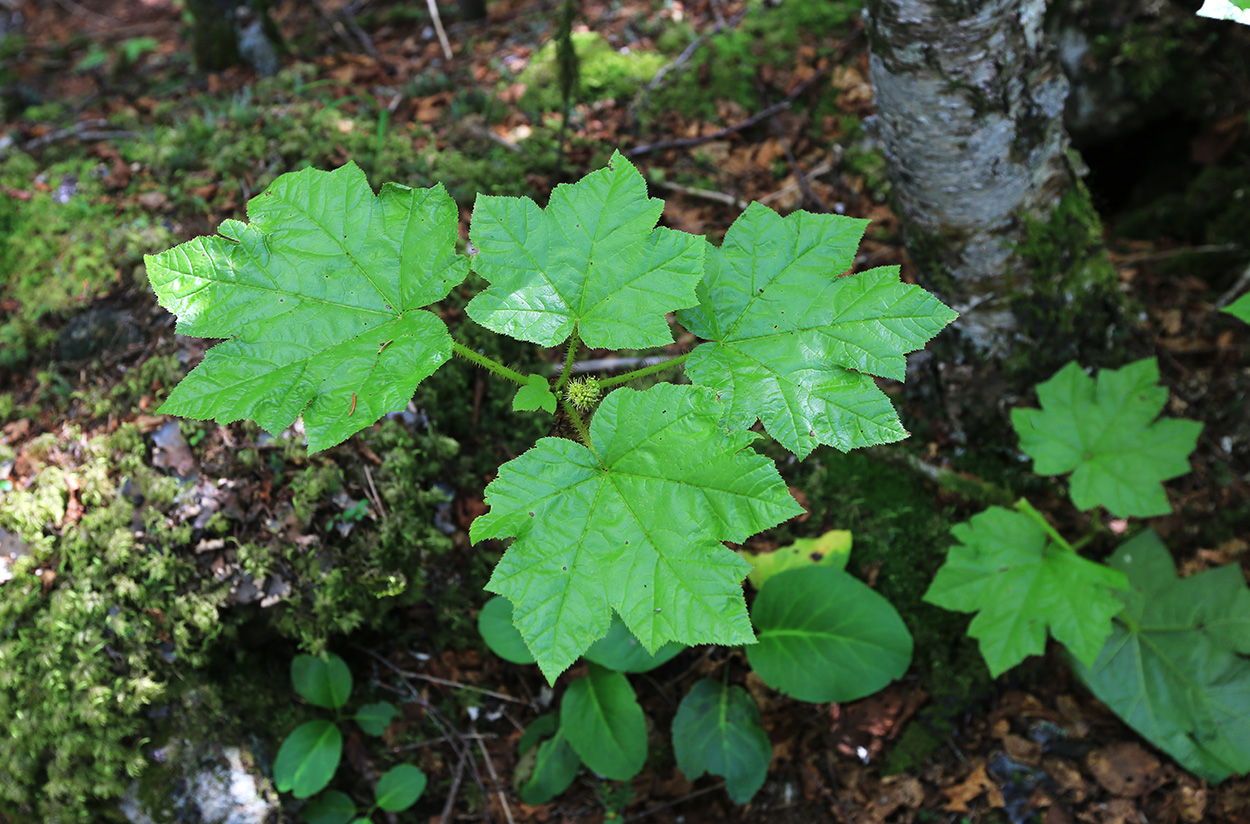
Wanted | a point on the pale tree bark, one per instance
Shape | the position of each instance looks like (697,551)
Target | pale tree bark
(970,100)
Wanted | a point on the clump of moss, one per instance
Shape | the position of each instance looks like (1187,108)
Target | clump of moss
(97,625)
(1071,308)
(603,72)
(64,247)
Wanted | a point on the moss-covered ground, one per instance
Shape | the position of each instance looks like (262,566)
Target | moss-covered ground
(167,576)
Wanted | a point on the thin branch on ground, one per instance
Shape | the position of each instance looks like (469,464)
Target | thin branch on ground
(1166,254)
(438,27)
(819,169)
(457,685)
(86,131)
(799,177)
(704,194)
(687,142)
(1231,295)
(490,768)
(377,499)
(678,63)
(449,805)
(673,803)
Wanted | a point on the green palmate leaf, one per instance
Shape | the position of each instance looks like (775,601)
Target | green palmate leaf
(1106,435)
(833,549)
(796,346)
(320,297)
(375,718)
(1240,308)
(717,730)
(399,788)
(593,259)
(619,650)
(308,758)
(825,636)
(1177,665)
(534,395)
(494,623)
(635,525)
(325,681)
(1007,570)
(331,807)
(604,725)
(545,769)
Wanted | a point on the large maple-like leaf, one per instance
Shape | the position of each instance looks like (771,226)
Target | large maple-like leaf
(320,297)
(1106,435)
(592,258)
(1019,583)
(794,344)
(1177,665)
(635,525)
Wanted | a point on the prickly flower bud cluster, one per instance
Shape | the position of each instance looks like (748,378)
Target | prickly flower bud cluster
(583,393)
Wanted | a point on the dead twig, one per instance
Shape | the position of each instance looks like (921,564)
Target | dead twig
(377,499)
(1231,295)
(490,768)
(451,793)
(1166,254)
(87,130)
(438,27)
(704,194)
(674,802)
(457,685)
(687,142)
(799,177)
(819,169)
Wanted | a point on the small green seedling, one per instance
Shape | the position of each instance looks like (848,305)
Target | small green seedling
(324,301)
(1169,656)
(309,756)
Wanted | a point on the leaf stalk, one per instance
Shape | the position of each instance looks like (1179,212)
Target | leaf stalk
(608,383)
(489,364)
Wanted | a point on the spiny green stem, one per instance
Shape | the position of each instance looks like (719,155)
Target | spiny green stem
(575,345)
(608,383)
(1026,508)
(580,425)
(492,366)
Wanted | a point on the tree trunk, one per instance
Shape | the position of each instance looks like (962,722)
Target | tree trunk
(225,33)
(471,10)
(970,101)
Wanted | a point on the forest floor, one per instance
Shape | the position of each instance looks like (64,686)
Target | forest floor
(119,148)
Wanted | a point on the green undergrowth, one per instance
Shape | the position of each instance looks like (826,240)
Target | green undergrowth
(64,244)
(730,64)
(603,72)
(900,536)
(229,146)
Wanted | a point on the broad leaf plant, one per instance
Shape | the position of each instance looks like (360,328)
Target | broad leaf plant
(323,299)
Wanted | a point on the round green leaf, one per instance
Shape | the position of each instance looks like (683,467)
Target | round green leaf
(825,636)
(308,758)
(494,623)
(375,718)
(832,549)
(331,807)
(717,730)
(544,772)
(399,788)
(605,726)
(619,650)
(323,681)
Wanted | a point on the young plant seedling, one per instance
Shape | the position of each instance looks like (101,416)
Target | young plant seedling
(323,300)
(309,756)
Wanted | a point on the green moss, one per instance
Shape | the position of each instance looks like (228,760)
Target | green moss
(1071,308)
(603,73)
(85,653)
(727,67)
(63,248)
